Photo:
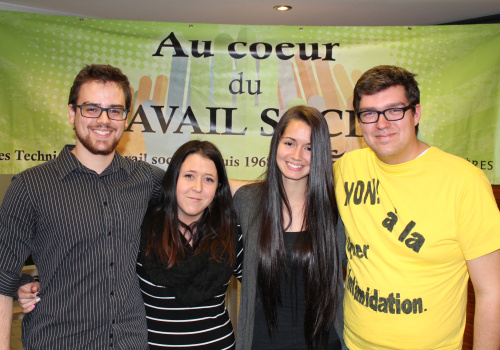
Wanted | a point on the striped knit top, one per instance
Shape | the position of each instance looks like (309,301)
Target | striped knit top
(174,325)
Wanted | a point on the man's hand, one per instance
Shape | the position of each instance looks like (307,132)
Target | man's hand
(27,296)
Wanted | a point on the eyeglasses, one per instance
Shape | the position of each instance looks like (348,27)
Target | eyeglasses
(391,114)
(93,111)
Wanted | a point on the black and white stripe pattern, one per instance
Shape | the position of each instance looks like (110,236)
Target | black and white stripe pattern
(83,230)
(173,325)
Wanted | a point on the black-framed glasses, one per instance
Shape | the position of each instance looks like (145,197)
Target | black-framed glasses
(93,111)
(391,114)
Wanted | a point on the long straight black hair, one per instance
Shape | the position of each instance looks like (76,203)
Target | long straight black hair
(315,249)
(214,231)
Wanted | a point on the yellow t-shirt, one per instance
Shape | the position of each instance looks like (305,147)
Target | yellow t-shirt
(409,230)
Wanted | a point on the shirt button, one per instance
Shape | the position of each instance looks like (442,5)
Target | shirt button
(113,322)
(105,204)
(112,293)
(111,335)
(111,264)
(109,233)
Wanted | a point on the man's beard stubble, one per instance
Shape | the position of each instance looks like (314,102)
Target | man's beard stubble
(87,143)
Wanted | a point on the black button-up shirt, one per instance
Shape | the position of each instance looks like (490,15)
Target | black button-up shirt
(82,229)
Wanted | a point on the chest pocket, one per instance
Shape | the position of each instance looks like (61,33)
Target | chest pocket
(128,220)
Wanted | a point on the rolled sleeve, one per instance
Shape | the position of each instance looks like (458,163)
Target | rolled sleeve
(9,283)
(15,232)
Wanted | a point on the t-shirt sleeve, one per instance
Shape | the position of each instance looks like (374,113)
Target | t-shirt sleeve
(479,219)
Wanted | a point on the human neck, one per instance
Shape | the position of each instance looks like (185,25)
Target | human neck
(296,193)
(188,233)
(414,152)
(95,162)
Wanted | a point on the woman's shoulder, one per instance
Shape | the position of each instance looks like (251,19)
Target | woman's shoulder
(248,192)
(247,199)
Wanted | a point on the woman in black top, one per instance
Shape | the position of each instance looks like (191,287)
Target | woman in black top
(189,252)
(292,286)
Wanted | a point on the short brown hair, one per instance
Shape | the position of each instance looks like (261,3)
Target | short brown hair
(101,73)
(383,77)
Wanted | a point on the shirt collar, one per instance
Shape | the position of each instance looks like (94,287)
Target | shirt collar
(66,163)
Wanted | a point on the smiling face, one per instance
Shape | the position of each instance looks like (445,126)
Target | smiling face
(196,187)
(294,151)
(97,136)
(394,142)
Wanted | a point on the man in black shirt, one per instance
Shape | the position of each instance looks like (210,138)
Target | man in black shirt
(79,216)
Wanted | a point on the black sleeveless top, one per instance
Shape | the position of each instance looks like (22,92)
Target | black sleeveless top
(290,320)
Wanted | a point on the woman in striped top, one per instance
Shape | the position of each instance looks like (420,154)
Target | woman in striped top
(188,253)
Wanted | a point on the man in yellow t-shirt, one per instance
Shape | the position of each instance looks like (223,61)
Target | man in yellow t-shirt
(418,222)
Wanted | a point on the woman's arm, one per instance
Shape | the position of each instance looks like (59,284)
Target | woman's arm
(238,267)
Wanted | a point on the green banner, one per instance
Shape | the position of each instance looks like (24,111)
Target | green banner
(229,84)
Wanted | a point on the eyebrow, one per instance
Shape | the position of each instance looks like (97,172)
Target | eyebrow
(99,105)
(390,105)
(291,138)
(197,172)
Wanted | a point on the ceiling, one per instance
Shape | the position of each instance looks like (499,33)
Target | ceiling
(260,12)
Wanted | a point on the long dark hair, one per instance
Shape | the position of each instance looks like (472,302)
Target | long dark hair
(213,232)
(315,249)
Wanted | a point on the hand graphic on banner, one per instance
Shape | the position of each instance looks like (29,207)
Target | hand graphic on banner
(328,88)
(133,142)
